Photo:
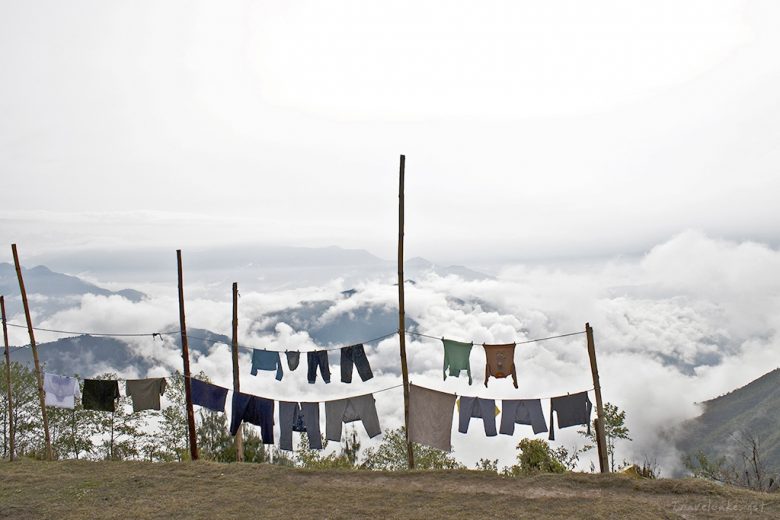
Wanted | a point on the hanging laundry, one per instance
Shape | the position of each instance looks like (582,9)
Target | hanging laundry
(573,410)
(100,394)
(61,391)
(354,355)
(500,362)
(484,409)
(360,408)
(456,357)
(145,392)
(522,411)
(430,417)
(293,358)
(318,358)
(255,410)
(266,360)
(299,417)
(207,395)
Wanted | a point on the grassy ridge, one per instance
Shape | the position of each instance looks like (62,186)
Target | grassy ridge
(82,489)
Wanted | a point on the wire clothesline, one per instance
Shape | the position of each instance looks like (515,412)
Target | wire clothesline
(246,347)
(514,397)
(524,342)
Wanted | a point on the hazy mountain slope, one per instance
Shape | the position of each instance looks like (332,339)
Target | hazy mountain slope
(753,408)
(89,356)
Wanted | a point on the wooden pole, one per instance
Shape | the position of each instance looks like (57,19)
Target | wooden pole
(38,376)
(236,382)
(601,438)
(401,313)
(8,380)
(185,354)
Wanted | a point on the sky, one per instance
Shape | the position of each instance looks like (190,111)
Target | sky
(532,130)
(636,141)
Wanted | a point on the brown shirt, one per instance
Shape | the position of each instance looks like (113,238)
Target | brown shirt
(500,361)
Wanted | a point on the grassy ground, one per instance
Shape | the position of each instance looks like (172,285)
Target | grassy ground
(79,489)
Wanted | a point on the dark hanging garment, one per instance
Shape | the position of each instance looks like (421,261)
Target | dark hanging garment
(255,410)
(318,358)
(293,358)
(100,394)
(354,355)
(573,410)
(207,395)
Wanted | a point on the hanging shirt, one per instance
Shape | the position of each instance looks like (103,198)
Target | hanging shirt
(354,355)
(100,394)
(456,357)
(266,360)
(299,417)
(61,391)
(145,392)
(430,417)
(484,409)
(573,410)
(255,410)
(207,395)
(360,408)
(293,358)
(500,362)
(522,411)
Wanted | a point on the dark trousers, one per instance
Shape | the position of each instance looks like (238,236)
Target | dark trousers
(318,358)
(357,356)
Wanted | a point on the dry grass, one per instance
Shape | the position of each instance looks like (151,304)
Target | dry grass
(79,489)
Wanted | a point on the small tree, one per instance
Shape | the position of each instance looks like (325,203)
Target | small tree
(536,456)
(614,429)
(391,455)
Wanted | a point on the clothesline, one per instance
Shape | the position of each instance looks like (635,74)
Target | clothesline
(116,335)
(514,397)
(288,350)
(160,334)
(516,342)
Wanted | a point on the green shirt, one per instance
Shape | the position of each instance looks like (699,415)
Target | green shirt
(456,357)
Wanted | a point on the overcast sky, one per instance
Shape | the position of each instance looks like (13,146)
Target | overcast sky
(531,129)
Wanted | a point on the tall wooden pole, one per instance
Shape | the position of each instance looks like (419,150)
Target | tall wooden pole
(185,354)
(8,381)
(601,438)
(38,376)
(401,313)
(236,382)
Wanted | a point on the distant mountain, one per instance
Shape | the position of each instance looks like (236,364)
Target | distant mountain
(753,408)
(417,267)
(89,356)
(60,290)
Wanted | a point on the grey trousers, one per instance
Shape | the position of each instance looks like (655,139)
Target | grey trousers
(476,407)
(299,417)
(362,407)
(522,411)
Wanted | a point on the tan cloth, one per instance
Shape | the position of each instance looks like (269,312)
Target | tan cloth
(500,362)
(146,393)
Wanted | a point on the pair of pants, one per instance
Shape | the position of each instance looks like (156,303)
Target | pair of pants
(318,358)
(481,408)
(294,415)
(354,355)
(362,407)
(521,411)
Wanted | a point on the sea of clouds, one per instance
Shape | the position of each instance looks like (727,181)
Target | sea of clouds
(691,319)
